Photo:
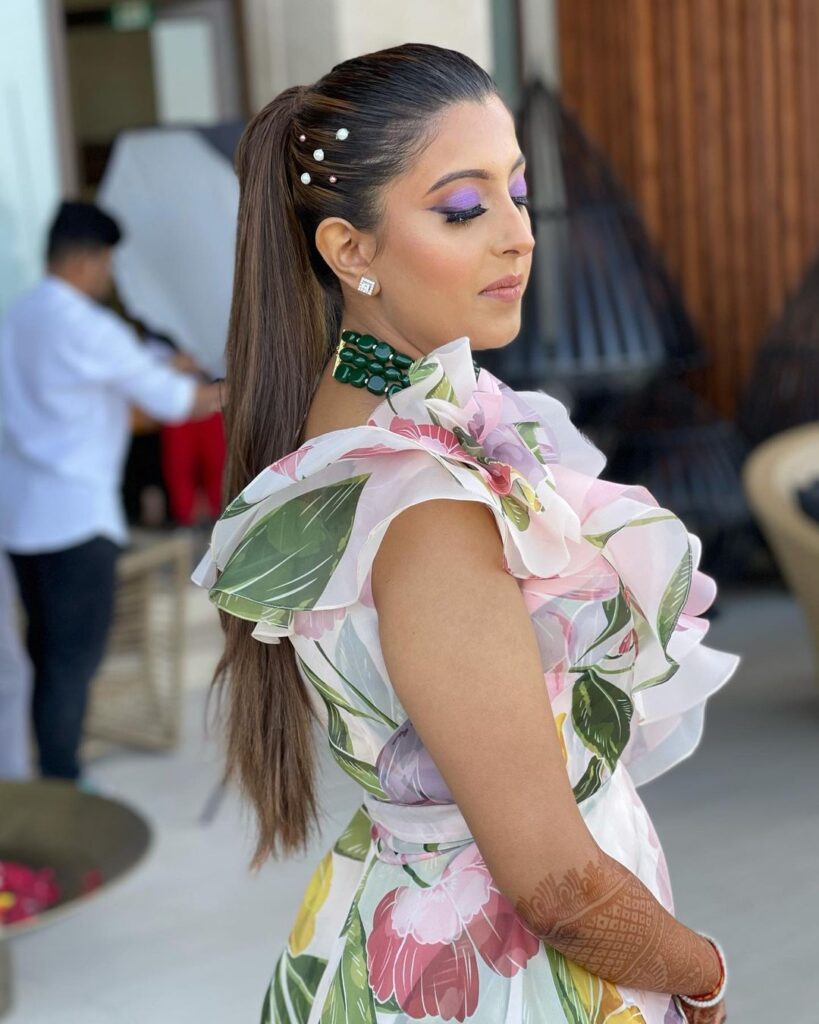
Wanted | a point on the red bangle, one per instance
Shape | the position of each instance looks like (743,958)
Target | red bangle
(713,992)
(718,994)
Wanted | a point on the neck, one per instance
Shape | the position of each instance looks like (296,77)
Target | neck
(375,326)
(68,275)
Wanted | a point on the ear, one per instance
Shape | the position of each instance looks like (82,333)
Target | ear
(346,250)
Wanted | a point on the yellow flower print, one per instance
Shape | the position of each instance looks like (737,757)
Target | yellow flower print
(601,999)
(559,720)
(527,491)
(314,897)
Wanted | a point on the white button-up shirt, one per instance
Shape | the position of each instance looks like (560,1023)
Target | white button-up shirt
(70,369)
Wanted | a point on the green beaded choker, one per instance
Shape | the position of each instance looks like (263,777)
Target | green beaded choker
(364,361)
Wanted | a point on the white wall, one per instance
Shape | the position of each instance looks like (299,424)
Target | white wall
(540,42)
(185,71)
(294,42)
(366,25)
(29,168)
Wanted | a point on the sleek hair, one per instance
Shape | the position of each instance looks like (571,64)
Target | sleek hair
(284,322)
(79,225)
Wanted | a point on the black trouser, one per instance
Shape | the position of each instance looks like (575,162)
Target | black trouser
(68,596)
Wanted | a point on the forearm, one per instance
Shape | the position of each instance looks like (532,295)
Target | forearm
(605,919)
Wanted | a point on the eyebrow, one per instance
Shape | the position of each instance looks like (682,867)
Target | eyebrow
(472,173)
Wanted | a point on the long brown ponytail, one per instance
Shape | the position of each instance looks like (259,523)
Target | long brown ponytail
(285,314)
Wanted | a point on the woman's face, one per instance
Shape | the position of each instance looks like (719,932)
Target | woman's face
(454,224)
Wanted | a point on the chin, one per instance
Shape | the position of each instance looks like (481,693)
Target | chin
(494,338)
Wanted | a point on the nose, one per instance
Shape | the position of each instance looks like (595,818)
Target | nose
(515,237)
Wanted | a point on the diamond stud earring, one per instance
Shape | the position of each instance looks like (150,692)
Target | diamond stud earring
(366,285)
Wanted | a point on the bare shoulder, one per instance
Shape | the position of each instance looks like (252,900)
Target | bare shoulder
(464,530)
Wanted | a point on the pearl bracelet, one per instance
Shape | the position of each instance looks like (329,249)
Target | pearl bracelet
(720,994)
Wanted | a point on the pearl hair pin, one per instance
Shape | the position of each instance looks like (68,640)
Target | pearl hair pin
(318,155)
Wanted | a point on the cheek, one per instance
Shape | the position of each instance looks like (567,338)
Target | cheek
(439,257)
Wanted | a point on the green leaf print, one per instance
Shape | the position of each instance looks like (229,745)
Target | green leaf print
(443,390)
(601,539)
(663,677)
(601,715)
(293,989)
(286,559)
(421,369)
(361,696)
(342,750)
(566,991)
(236,507)
(391,1006)
(469,444)
(526,429)
(350,998)
(618,617)
(590,781)
(354,841)
(517,512)
(333,696)
(244,609)
(674,598)
(353,660)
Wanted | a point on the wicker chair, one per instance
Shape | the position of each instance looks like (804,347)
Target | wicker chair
(136,696)
(771,475)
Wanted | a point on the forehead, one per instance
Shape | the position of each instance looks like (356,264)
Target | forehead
(467,135)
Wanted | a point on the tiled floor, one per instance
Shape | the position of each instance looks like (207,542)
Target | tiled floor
(190,937)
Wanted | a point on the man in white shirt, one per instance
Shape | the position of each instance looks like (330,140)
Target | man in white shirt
(70,370)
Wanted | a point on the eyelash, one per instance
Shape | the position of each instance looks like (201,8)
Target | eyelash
(462,216)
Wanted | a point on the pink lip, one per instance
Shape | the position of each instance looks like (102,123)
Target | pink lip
(507,288)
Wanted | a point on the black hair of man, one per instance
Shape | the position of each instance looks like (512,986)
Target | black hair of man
(80,226)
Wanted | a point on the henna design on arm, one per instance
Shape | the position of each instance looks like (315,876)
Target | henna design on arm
(605,919)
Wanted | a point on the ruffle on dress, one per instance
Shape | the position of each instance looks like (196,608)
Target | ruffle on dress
(611,580)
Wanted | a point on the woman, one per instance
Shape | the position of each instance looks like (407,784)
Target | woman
(420,548)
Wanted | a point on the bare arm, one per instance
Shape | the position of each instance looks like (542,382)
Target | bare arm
(602,916)
(462,655)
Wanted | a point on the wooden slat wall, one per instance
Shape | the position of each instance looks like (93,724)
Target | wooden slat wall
(707,110)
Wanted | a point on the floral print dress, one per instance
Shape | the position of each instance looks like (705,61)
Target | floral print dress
(401,920)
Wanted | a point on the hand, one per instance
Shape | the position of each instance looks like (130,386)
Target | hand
(208,400)
(183,362)
(705,1015)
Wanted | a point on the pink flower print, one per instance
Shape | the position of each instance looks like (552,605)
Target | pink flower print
(288,465)
(500,477)
(372,449)
(315,624)
(423,942)
(629,640)
(437,439)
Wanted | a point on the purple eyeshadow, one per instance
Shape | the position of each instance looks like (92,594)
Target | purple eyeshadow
(518,187)
(463,199)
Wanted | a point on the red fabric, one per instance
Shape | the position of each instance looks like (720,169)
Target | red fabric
(193,456)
